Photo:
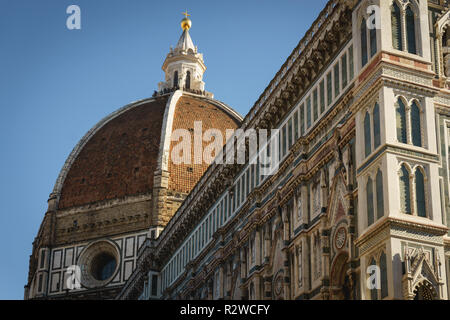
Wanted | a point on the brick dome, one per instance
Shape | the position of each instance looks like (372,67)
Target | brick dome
(183,177)
(119,156)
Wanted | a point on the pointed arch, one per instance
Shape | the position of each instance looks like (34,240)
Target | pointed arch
(367,138)
(338,273)
(188,80)
(410,30)
(396,26)
(400,115)
(252,291)
(376,126)
(369,200)
(373,291)
(175,79)
(363,38)
(373,41)
(416,131)
(383,275)
(420,193)
(337,207)
(380,200)
(405,196)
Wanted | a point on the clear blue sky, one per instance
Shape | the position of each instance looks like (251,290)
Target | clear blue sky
(55,83)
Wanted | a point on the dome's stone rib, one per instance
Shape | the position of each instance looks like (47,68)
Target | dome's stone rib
(167,130)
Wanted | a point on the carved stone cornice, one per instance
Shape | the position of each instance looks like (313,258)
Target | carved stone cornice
(430,232)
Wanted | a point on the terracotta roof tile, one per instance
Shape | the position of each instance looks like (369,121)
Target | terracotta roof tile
(183,177)
(119,160)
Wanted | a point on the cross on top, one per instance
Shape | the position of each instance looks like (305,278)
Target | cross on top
(186,14)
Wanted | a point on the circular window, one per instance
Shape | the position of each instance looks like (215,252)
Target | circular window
(340,238)
(99,263)
(103,266)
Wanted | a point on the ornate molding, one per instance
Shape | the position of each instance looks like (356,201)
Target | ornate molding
(401,228)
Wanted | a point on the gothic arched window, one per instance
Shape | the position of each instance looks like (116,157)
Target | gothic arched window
(188,80)
(316,198)
(373,290)
(317,256)
(373,41)
(363,43)
(367,138)
(396,26)
(405,196)
(383,276)
(415,125)
(300,264)
(410,31)
(252,292)
(379,188)
(420,194)
(376,126)
(175,79)
(401,121)
(299,208)
(369,198)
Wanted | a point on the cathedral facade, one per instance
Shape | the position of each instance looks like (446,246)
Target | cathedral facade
(358,207)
